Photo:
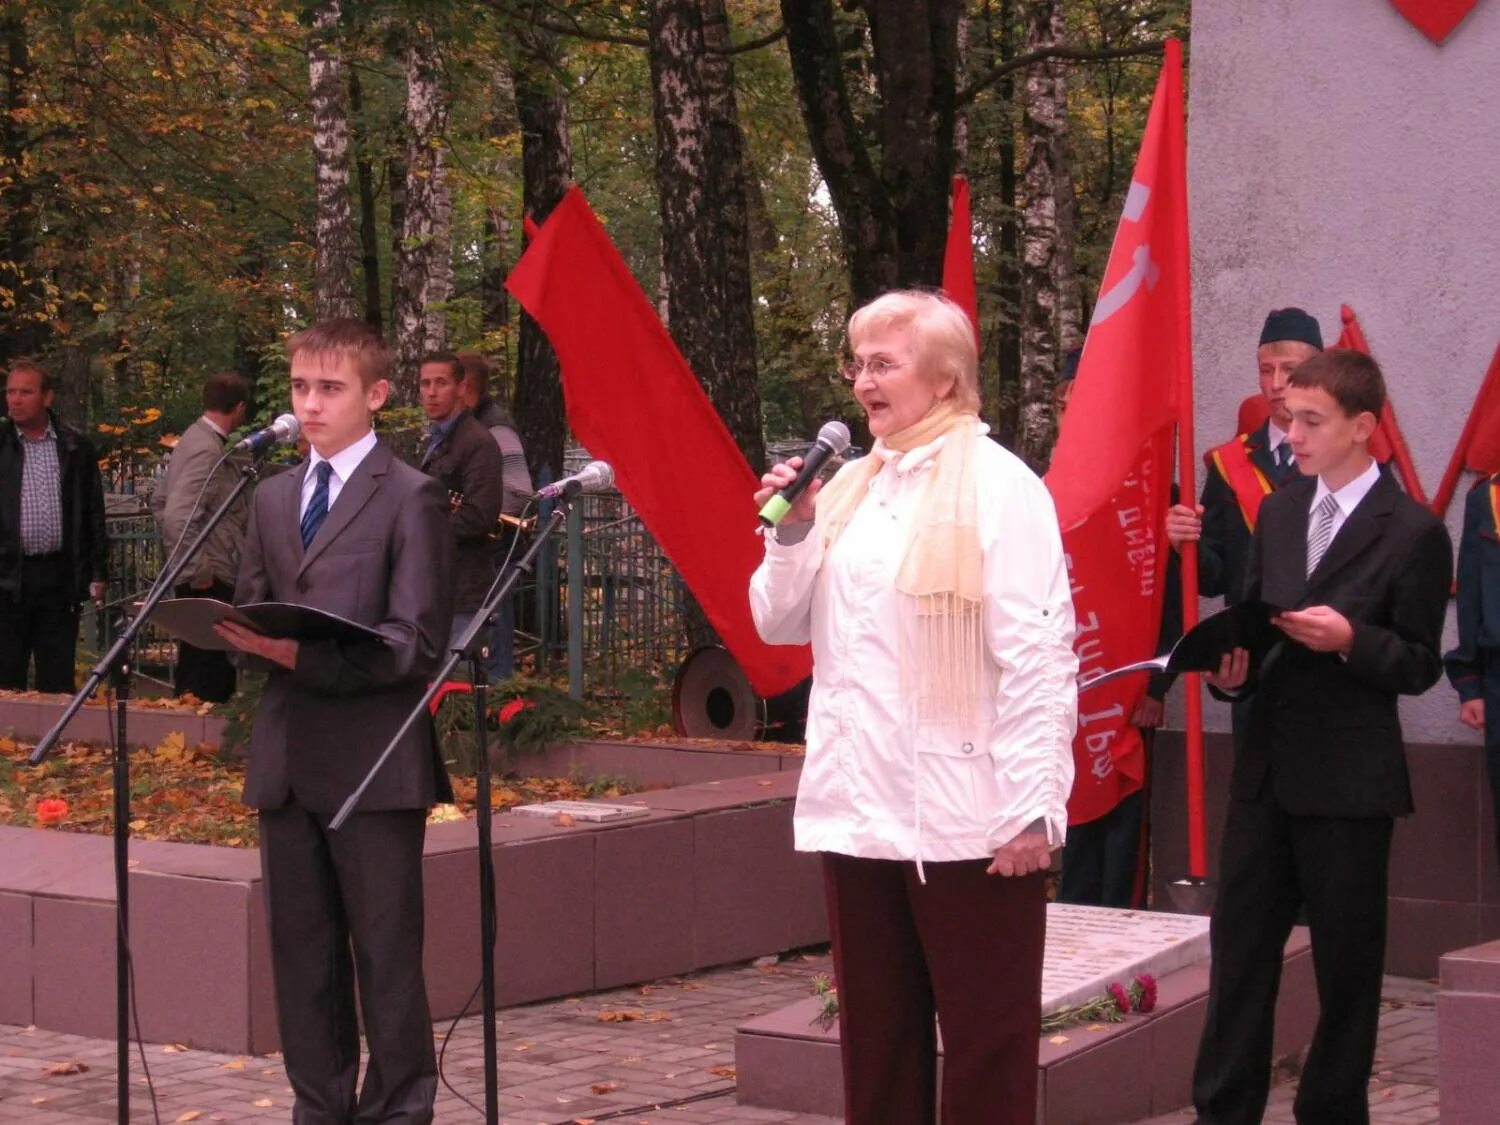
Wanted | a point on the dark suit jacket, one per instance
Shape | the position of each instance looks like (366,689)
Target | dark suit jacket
(1478,596)
(1224,548)
(468,462)
(1324,736)
(381,558)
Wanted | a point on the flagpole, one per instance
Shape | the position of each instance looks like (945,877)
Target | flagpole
(1186,475)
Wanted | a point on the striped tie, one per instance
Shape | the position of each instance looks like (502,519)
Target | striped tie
(1321,531)
(317,506)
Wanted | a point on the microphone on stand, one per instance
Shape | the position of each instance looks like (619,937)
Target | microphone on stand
(596,476)
(283,431)
(832,440)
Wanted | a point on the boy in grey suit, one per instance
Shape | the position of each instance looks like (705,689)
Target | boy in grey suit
(357,533)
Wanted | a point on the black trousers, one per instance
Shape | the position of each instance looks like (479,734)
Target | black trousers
(966,944)
(206,673)
(1103,860)
(1270,864)
(346,906)
(41,624)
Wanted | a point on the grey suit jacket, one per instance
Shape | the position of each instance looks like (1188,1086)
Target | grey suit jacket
(193,459)
(382,558)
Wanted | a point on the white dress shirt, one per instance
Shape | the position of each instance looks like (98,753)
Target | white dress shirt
(876,782)
(344,462)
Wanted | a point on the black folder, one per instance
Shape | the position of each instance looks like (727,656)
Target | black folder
(193,620)
(1201,648)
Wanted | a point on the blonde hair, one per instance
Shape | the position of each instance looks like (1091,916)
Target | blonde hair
(349,340)
(942,337)
(1295,348)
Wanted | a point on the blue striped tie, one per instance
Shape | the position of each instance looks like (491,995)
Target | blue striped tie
(317,507)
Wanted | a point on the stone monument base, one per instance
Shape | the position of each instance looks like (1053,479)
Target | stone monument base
(1093,1074)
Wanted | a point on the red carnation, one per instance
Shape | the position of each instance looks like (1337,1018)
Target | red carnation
(1145,1001)
(514,708)
(1122,999)
(51,810)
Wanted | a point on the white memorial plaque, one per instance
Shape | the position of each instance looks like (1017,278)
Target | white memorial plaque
(583,810)
(1091,947)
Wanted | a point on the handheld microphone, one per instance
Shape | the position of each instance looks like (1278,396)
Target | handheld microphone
(283,431)
(596,476)
(833,439)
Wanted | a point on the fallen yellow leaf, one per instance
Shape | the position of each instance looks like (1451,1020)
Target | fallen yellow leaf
(605,1087)
(71,1066)
(1058,1039)
(190,1115)
(263,1103)
(235,1064)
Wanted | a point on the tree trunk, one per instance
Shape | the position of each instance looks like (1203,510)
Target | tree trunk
(23,317)
(333,261)
(894,223)
(369,239)
(546,170)
(1008,339)
(494,308)
(700,179)
(423,262)
(1049,321)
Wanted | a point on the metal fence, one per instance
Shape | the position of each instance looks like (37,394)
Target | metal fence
(603,601)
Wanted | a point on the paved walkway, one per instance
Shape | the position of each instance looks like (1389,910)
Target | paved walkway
(612,1056)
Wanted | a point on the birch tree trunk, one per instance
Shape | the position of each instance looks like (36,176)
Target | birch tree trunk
(423,270)
(1049,286)
(546,171)
(494,308)
(333,261)
(700,180)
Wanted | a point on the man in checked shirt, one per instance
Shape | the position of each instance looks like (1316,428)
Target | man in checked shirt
(53,552)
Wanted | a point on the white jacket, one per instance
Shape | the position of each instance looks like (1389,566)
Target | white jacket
(876,783)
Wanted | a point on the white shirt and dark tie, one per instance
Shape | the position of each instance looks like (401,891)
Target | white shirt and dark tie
(341,467)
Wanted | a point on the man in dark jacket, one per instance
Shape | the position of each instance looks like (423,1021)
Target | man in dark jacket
(460,452)
(53,551)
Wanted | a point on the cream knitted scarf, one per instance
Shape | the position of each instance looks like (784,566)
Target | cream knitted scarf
(942,565)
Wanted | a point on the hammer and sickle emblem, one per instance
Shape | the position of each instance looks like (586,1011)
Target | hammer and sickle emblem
(1143,271)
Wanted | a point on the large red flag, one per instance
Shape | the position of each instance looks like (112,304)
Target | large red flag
(633,401)
(1117,571)
(1139,345)
(958,256)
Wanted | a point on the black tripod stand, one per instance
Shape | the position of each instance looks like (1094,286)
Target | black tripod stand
(115,665)
(469,647)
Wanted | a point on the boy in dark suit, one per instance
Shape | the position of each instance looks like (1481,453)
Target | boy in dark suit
(355,532)
(1474,666)
(1322,772)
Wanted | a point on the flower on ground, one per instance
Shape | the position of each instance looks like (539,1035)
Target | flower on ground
(1122,999)
(514,708)
(51,810)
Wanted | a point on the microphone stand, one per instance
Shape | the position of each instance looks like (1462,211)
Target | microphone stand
(468,647)
(115,664)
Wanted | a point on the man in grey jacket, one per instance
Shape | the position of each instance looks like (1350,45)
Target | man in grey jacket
(195,467)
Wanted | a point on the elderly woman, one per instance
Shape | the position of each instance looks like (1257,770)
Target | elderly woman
(929,578)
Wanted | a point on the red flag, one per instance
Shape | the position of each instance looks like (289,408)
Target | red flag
(1139,346)
(1478,446)
(958,256)
(1387,442)
(1117,571)
(633,401)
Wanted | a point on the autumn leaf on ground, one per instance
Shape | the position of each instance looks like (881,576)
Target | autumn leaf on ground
(724,1071)
(1058,1039)
(630,1015)
(235,1064)
(190,1115)
(263,1103)
(71,1066)
(605,1087)
(563,820)
(173,748)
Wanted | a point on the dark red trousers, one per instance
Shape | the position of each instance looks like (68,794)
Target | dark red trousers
(967,946)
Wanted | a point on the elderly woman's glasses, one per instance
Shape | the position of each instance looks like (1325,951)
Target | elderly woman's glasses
(878,368)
